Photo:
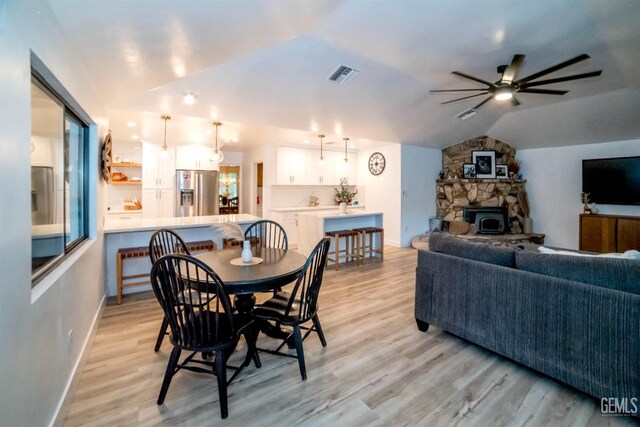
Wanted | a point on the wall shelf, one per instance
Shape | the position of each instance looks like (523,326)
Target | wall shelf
(125,182)
(127,165)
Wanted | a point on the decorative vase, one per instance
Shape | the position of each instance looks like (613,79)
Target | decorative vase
(247,255)
(343,208)
(587,208)
(527,225)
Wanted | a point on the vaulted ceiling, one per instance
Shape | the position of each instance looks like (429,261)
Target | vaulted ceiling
(265,64)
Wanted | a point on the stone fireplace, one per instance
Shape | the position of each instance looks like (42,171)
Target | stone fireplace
(454,193)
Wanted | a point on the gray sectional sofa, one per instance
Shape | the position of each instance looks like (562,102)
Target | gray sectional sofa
(576,319)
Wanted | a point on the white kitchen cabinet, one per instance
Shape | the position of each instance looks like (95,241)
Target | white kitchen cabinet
(195,158)
(348,170)
(291,164)
(289,221)
(158,182)
(317,174)
(158,203)
(133,214)
(158,167)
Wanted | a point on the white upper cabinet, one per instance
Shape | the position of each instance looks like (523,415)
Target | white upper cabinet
(298,166)
(158,167)
(348,170)
(291,166)
(318,174)
(195,158)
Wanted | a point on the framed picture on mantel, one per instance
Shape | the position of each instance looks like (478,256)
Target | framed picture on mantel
(485,162)
(469,171)
(502,172)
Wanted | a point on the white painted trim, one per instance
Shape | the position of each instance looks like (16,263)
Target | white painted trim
(65,400)
(53,276)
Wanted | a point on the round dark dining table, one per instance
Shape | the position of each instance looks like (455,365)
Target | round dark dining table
(278,268)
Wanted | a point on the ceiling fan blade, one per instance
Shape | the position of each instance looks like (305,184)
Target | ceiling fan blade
(458,90)
(465,97)
(514,101)
(489,98)
(550,70)
(562,79)
(544,91)
(467,76)
(510,73)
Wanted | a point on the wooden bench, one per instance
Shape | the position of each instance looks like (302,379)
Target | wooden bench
(143,252)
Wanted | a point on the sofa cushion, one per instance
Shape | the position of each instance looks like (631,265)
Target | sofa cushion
(612,273)
(451,245)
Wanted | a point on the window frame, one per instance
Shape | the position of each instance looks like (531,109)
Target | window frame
(46,81)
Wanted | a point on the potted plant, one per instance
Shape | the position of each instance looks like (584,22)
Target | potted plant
(584,198)
(343,195)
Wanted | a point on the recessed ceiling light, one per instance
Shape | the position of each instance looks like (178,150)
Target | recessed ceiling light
(188,98)
(135,137)
(131,124)
(306,141)
(352,146)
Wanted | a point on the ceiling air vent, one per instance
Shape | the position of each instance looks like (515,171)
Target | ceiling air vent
(343,74)
(466,114)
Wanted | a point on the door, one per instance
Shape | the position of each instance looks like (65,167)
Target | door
(206,193)
(186,193)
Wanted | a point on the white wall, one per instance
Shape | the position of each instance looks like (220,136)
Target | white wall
(554,183)
(37,355)
(420,168)
(283,196)
(383,192)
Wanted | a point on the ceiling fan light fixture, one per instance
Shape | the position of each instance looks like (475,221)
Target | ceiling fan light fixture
(503,94)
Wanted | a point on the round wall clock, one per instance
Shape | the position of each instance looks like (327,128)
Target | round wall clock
(376,163)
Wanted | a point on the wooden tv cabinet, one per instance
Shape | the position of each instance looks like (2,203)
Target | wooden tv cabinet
(609,233)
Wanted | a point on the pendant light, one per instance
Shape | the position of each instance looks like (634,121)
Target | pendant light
(217,155)
(164,145)
(346,159)
(321,161)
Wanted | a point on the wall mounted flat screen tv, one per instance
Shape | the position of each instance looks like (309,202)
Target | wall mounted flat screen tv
(613,181)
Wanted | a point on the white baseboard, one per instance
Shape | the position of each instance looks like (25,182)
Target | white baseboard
(67,395)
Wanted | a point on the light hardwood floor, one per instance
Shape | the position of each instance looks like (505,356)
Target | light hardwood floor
(377,370)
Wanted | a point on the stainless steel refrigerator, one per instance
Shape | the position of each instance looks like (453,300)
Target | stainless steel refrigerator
(42,195)
(197,192)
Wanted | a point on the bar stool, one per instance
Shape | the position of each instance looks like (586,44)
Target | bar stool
(369,248)
(351,246)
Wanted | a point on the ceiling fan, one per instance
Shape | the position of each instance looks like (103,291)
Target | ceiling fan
(506,88)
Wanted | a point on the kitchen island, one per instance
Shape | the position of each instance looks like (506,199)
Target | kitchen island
(127,233)
(313,225)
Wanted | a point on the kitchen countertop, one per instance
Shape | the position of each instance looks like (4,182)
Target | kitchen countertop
(313,208)
(140,224)
(123,211)
(336,214)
